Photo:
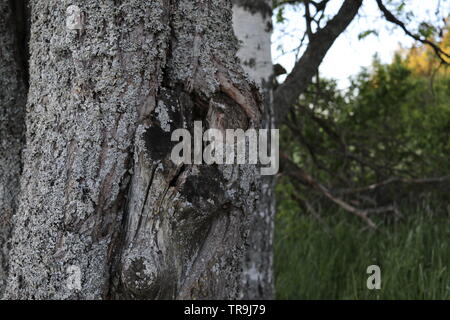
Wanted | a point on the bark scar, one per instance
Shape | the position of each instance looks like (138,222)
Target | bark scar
(245,100)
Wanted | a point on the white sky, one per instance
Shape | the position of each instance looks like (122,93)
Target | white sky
(349,54)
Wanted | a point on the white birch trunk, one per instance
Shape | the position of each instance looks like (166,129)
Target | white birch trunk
(252,21)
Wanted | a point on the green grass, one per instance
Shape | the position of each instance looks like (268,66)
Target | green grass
(314,260)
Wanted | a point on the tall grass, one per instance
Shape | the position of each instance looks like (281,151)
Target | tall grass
(329,259)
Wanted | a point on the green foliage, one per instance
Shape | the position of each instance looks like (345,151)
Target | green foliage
(404,121)
(426,30)
(411,119)
(280,3)
(313,261)
(280,16)
(393,122)
(367,33)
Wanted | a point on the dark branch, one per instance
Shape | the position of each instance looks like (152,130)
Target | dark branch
(376,186)
(391,18)
(292,170)
(298,80)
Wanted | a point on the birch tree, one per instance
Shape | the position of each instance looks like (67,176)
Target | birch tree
(252,22)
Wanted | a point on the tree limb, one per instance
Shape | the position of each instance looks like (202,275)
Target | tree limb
(391,18)
(394,180)
(295,172)
(300,77)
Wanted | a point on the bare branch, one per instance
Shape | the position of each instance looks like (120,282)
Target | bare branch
(391,18)
(297,173)
(305,69)
(376,186)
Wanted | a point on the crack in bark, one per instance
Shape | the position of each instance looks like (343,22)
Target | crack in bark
(147,193)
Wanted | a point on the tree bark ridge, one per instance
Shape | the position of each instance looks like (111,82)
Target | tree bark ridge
(99,192)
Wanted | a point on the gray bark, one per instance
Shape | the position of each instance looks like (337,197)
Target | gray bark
(12,109)
(253,28)
(98,190)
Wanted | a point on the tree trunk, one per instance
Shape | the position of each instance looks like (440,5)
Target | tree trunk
(99,193)
(12,110)
(252,21)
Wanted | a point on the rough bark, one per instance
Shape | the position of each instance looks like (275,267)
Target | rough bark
(12,109)
(99,191)
(252,20)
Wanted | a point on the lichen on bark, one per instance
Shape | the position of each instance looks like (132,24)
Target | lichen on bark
(98,189)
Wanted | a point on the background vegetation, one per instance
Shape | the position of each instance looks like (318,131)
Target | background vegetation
(365,181)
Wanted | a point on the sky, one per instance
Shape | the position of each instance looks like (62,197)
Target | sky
(348,54)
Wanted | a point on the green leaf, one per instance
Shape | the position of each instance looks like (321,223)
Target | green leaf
(280,17)
(426,30)
(366,33)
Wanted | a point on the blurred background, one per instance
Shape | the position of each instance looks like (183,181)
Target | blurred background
(365,176)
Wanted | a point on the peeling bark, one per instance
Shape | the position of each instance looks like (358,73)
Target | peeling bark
(98,191)
(252,22)
(12,109)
